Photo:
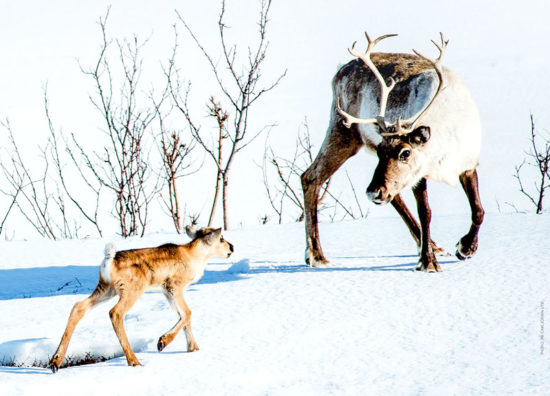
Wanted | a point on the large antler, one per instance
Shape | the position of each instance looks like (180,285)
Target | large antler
(436,63)
(384,88)
(398,129)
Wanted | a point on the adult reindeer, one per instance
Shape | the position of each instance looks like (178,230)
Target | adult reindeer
(428,128)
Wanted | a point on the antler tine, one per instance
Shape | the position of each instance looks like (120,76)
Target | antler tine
(436,63)
(441,49)
(378,39)
(349,119)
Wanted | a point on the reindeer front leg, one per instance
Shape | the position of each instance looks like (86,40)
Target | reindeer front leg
(427,261)
(399,205)
(467,245)
(340,144)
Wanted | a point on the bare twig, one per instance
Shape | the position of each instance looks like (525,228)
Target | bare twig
(239,85)
(539,153)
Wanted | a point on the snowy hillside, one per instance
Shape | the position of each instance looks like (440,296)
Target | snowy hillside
(267,324)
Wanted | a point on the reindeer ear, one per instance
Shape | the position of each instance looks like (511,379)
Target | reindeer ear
(420,136)
(190,231)
(212,236)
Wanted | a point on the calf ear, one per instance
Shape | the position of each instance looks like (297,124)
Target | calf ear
(420,136)
(213,236)
(190,231)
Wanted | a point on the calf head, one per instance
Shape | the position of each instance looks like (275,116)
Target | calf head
(400,164)
(211,238)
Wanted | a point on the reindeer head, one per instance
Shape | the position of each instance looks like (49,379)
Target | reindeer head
(400,153)
(212,239)
(400,164)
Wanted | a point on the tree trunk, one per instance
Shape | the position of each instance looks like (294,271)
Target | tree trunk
(216,196)
(224,199)
(176,204)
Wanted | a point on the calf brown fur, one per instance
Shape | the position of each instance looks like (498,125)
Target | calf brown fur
(129,273)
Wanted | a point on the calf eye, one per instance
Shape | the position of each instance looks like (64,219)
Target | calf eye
(404,155)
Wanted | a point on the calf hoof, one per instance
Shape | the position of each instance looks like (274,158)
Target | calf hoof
(55,363)
(161,344)
(134,363)
(192,347)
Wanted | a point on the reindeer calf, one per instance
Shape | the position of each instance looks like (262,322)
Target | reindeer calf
(129,273)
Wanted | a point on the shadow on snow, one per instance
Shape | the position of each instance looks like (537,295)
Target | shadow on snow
(55,281)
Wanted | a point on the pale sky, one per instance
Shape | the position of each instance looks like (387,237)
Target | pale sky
(501,55)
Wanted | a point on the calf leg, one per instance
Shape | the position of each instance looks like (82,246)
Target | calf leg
(127,299)
(178,303)
(101,293)
(427,261)
(339,145)
(467,245)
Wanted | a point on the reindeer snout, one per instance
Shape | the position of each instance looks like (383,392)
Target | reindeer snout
(378,195)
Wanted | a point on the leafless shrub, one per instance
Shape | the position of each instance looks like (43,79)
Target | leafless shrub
(122,167)
(175,156)
(37,195)
(283,185)
(58,144)
(538,157)
(239,83)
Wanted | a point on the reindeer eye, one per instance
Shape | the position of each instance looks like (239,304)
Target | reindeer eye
(404,155)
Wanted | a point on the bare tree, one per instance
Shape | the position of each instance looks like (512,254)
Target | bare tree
(220,116)
(36,194)
(123,166)
(12,194)
(538,157)
(175,155)
(54,155)
(239,83)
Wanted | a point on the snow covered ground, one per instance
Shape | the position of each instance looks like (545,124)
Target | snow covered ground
(267,324)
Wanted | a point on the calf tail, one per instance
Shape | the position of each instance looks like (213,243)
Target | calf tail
(105,268)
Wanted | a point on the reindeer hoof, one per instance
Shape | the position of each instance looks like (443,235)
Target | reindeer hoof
(428,265)
(54,368)
(460,256)
(464,253)
(319,263)
(420,268)
(316,260)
